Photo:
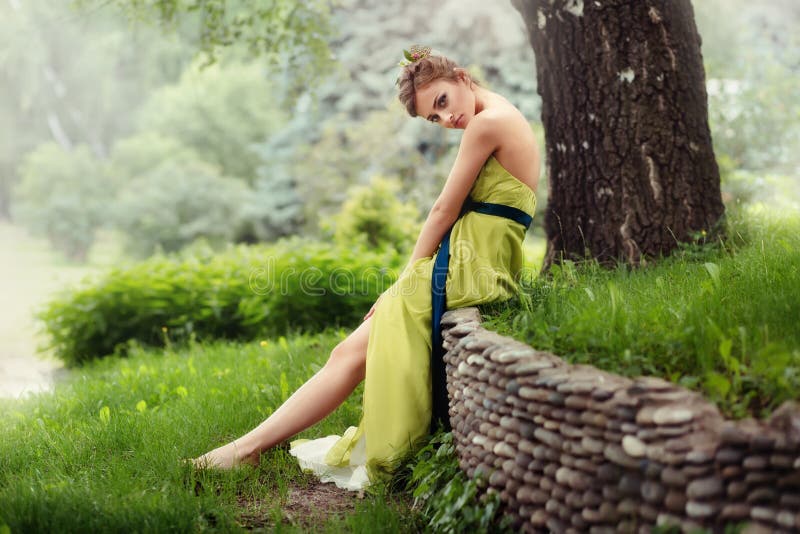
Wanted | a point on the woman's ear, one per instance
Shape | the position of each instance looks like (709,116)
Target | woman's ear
(462,75)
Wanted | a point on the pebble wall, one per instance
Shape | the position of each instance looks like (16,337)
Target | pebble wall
(571,448)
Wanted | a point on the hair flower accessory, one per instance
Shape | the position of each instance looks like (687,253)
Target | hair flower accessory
(416,53)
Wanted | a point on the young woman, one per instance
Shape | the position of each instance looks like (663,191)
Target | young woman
(480,218)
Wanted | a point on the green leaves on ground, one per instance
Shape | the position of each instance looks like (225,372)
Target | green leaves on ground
(447,498)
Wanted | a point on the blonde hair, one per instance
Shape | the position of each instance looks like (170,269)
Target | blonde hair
(419,74)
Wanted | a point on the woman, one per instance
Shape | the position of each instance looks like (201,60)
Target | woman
(481,216)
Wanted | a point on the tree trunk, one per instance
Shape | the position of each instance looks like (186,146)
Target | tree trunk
(630,163)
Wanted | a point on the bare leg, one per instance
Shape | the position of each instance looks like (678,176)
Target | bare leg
(314,400)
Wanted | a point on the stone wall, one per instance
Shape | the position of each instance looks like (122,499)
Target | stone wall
(573,448)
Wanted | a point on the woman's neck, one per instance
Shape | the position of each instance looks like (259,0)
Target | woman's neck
(482,98)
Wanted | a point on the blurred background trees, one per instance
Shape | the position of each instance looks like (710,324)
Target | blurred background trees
(158,124)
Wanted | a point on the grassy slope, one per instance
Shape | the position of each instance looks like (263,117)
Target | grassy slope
(102,453)
(725,320)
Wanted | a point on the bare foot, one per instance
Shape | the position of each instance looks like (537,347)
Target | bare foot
(225,457)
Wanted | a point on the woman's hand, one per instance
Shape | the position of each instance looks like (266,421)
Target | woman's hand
(372,310)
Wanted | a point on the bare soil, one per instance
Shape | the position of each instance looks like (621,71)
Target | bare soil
(306,506)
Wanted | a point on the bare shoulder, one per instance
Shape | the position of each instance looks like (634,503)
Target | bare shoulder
(513,140)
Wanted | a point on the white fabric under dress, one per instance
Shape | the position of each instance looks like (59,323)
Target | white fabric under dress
(311,455)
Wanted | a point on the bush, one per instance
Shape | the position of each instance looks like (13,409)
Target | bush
(243,293)
(177,202)
(374,217)
(62,196)
(221,111)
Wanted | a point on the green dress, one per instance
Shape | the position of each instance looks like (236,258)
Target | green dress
(485,258)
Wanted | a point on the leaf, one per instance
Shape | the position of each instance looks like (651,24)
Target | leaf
(284,387)
(182,392)
(717,384)
(105,414)
(141,406)
(713,272)
(725,349)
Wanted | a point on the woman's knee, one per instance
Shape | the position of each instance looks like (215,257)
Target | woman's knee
(349,357)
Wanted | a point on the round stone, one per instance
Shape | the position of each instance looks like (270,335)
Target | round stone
(675,501)
(653,492)
(736,489)
(733,435)
(735,512)
(614,453)
(729,455)
(762,513)
(630,484)
(762,495)
(608,472)
(786,519)
(753,463)
(669,415)
(673,477)
(698,510)
(633,446)
(704,488)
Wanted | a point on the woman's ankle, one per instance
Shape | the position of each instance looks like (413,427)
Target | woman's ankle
(246,452)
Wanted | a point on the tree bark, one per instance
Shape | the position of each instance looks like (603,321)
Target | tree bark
(630,163)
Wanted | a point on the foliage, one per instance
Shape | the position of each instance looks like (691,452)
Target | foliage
(449,500)
(354,133)
(176,203)
(243,293)
(373,216)
(751,57)
(63,197)
(73,78)
(719,317)
(221,112)
(291,35)
(141,153)
(344,154)
(274,207)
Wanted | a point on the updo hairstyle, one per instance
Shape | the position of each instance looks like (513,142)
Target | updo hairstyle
(419,74)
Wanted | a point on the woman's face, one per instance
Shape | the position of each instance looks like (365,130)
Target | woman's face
(450,104)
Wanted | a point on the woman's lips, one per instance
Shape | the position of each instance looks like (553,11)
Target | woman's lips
(458,121)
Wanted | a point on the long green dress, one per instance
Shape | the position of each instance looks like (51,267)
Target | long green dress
(486,256)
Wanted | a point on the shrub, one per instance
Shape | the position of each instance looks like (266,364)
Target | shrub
(373,216)
(242,293)
(62,196)
(170,206)
(221,111)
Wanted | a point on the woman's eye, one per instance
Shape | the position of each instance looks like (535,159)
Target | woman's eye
(442,100)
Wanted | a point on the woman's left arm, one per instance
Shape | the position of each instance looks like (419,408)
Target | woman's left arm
(479,141)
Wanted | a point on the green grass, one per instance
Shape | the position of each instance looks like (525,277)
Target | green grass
(723,318)
(102,453)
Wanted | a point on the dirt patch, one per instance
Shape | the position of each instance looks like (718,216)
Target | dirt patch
(306,506)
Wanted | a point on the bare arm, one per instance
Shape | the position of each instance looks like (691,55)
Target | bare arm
(480,140)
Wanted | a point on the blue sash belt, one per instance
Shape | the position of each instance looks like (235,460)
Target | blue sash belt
(439,302)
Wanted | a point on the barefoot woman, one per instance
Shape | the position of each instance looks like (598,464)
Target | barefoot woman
(480,217)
